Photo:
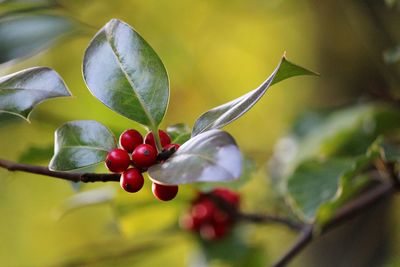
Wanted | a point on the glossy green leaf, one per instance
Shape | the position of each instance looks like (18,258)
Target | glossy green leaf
(125,73)
(79,144)
(26,35)
(220,116)
(212,156)
(20,92)
(321,186)
(179,133)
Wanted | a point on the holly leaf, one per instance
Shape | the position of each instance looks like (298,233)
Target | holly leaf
(125,73)
(179,133)
(80,144)
(317,188)
(212,156)
(221,116)
(20,92)
(26,35)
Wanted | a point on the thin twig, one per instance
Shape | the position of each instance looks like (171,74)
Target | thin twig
(364,201)
(267,219)
(70,176)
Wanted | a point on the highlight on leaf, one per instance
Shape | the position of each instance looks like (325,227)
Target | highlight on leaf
(122,70)
(223,115)
(80,144)
(212,156)
(20,92)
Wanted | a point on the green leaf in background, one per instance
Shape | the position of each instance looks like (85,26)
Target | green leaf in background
(392,56)
(20,92)
(322,186)
(125,73)
(220,116)
(179,133)
(79,144)
(85,199)
(35,154)
(391,152)
(212,156)
(26,35)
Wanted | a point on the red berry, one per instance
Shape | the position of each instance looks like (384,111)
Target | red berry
(132,180)
(118,160)
(229,196)
(170,146)
(164,138)
(164,192)
(213,231)
(203,210)
(130,139)
(144,156)
(189,223)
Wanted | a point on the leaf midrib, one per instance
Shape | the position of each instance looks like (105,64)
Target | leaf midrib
(109,38)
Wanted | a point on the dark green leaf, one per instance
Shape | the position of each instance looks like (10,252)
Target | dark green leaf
(26,35)
(125,73)
(212,156)
(79,144)
(20,92)
(327,183)
(392,56)
(220,116)
(179,133)
(391,152)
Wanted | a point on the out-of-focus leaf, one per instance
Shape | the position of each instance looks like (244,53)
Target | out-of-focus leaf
(322,186)
(232,250)
(125,73)
(392,56)
(179,133)
(87,198)
(220,116)
(391,152)
(79,144)
(26,35)
(344,133)
(20,92)
(212,156)
(36,154)
(391,3)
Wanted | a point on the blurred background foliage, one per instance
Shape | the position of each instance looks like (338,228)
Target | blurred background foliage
(214,51)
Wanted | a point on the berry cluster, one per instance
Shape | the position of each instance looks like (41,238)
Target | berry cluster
(212,214)
(135,157)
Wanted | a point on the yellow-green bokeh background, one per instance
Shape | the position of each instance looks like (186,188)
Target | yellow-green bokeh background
(214,51)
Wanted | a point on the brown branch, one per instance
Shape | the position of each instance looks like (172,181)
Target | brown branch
(352,209)
(70,176)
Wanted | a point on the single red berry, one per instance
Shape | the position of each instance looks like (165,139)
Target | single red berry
(187,222)
(170,146)
(144,156)
(164,192)
(229,196)
(203,210)
(118,160)
(130,139)
(164,138)
(132,180)
(213,231)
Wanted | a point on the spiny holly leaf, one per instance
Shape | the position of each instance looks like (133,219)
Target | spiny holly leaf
(79,144)
(318,184)
(220,116)
(26,35)
(212,156)
(179,133)
(125,73)
(20,92)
